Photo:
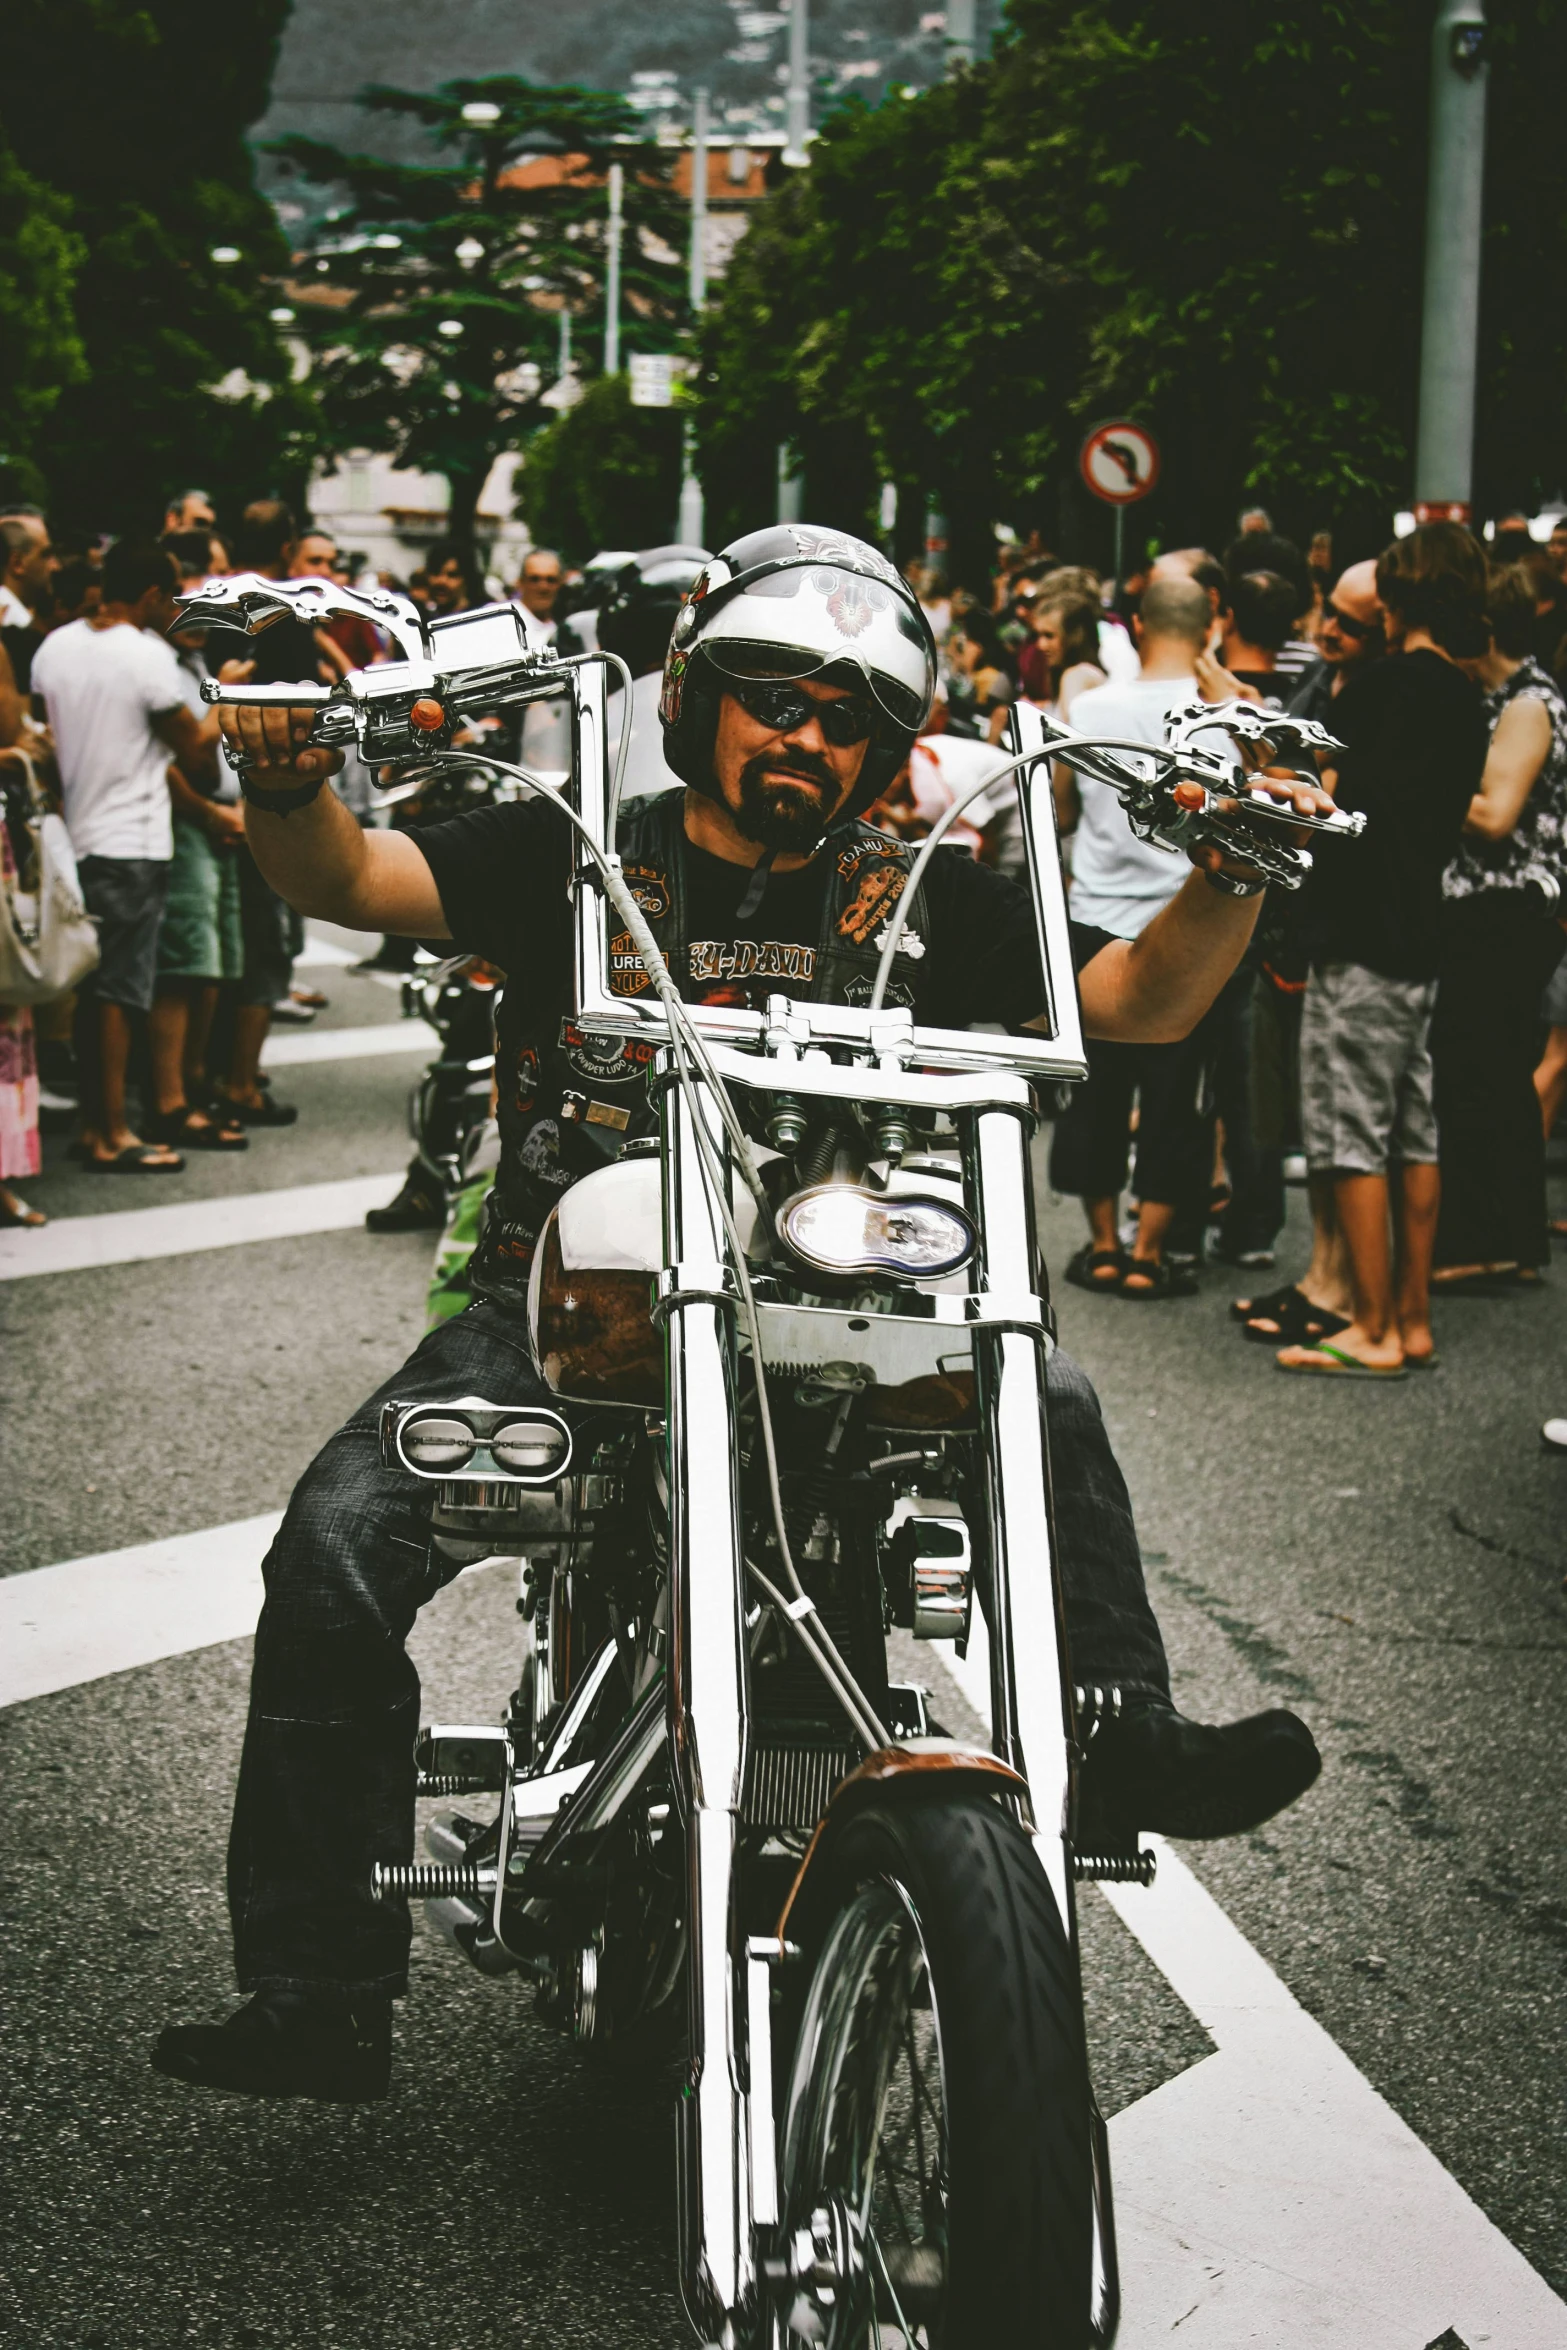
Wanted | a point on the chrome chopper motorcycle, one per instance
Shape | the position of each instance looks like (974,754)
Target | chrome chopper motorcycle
(798,1343)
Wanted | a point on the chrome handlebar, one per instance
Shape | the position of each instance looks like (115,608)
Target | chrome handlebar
(1187,793)
(445,673)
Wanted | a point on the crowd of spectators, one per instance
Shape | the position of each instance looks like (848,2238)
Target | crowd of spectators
(158,1050)
(1397,1035)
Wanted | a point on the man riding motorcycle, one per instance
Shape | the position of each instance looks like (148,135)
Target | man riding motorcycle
(798,675)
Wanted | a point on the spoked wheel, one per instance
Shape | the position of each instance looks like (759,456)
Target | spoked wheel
(936,2159)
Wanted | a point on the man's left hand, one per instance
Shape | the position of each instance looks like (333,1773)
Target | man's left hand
(1287,790)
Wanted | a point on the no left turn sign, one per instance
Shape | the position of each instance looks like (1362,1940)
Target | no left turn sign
(1120,463)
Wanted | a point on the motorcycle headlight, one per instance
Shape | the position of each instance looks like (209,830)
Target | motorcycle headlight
(839,1228)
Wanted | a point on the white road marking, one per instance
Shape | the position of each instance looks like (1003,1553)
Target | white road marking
(1269,2195)
(285,1049)
(92,1616)
(74,1244)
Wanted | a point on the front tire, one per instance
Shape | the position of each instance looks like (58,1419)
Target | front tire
(935,2132)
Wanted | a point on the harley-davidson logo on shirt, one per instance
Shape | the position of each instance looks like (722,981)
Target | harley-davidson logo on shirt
(751,958)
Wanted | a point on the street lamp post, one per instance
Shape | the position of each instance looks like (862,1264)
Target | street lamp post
(690,527)
(960,34)
(616,229)
(798,116)
(1444,451)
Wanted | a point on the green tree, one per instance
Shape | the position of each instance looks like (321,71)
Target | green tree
(441,286)
(604,474)
(137,114)
(40,259)
(1212,221)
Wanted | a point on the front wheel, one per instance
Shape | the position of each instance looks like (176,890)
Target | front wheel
(936,2163)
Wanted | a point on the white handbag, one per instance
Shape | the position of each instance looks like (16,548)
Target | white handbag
(48,940)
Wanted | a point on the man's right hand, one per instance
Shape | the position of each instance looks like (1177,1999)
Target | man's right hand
(274,740)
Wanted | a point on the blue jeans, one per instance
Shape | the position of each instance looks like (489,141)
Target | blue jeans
(326,1782)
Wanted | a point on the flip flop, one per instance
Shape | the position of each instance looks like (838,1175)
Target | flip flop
(1340,1366)
(1493,1282)
(1430,1362)
(138,1158)
(28,1220)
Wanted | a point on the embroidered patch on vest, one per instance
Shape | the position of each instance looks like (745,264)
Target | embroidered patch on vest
(878,892)
(650,888)
(603,1057)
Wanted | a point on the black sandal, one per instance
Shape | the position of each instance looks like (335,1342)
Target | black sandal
(199,1130)
(1159,1279)
(1273,1302)
(1298,1324)
(1081,1270)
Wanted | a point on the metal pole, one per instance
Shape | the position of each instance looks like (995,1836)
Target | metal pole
(563,350)
(617,190)
(798,117)
(960,34)
(690,527)
(696,273)
(790,486)
(1444,460)
(1120,546)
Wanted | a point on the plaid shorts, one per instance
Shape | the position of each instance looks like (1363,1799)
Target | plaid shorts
(1365,1071)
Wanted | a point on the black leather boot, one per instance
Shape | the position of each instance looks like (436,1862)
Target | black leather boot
(417,1208)
(287,2044)
(1146,1767)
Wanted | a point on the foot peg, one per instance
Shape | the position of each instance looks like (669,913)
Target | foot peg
(1115,1868)
(432,1880)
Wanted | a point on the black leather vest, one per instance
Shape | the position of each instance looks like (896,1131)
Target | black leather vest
(570,1100)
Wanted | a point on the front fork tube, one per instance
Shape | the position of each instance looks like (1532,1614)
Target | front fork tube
(708,1726)
(1029,1709)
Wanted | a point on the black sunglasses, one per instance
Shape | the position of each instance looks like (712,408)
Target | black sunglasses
(779,704)
(1358,629)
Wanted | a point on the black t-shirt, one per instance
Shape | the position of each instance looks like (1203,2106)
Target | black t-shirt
(1415,741)
(502,875)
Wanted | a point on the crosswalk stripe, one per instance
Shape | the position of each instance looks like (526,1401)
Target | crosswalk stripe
(1266,2194)
(91,1616)
(292,1046)
(1269,2194)
(76,1244)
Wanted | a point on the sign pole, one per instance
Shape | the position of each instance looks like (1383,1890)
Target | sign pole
(1120,547)
(617,182)
(1444,447)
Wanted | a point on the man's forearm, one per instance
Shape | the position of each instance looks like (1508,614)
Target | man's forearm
(315,857)
(1156,987)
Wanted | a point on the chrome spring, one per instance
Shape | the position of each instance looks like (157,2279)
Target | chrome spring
(1115,1868)
(431,1880)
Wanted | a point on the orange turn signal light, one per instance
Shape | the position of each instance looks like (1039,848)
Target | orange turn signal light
(1189,795)
(427,715)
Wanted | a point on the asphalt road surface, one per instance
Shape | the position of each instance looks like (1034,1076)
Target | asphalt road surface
(1388,1561)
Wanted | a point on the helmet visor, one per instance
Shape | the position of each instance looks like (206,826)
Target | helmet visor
(811,618)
